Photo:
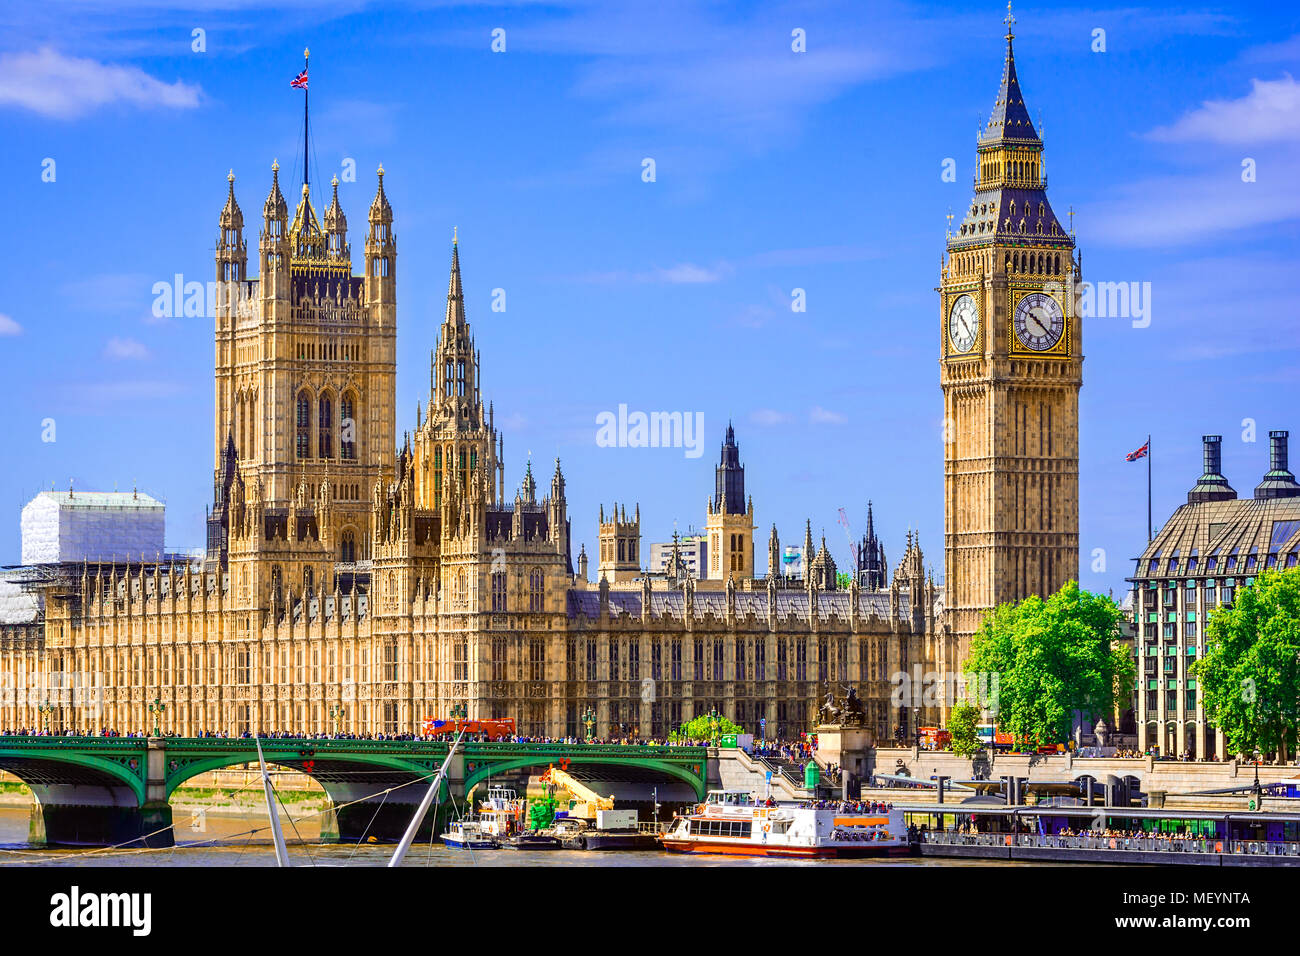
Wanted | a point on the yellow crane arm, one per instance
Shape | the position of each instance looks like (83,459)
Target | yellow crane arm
(580,790)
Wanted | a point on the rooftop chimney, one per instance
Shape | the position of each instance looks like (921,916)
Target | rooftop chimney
(1212,486)
(1279,482)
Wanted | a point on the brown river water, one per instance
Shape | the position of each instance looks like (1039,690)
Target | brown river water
(226,840)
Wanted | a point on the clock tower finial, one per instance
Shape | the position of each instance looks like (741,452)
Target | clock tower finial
(1010,21)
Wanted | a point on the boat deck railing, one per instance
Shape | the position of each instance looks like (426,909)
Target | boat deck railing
(1157,844)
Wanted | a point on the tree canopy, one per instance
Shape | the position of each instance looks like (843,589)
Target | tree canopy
(1250,673)
(963,724)
(1045,660)
(700,729)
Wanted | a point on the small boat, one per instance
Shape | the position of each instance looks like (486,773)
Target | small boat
(468,835)
(732,822)
(532,841)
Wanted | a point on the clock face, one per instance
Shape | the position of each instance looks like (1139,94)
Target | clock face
(1039,321)
(963,323)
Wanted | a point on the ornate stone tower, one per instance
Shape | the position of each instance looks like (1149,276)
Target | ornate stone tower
(729,522)
(620,544)
(305,367)
(1010,369)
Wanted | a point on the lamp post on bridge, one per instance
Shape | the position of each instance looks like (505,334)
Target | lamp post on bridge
(589,719)
(157,708)
(45,709)
(336,715)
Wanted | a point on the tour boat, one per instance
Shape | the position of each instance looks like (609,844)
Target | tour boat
(732,822)
(468,835)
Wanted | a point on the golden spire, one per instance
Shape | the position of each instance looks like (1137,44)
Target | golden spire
(230,176)
(1010,21)
(453,235)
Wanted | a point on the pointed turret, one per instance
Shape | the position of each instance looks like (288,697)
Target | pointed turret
(273,246)
(232,254)
(455,294)
(336,227)
(381,250)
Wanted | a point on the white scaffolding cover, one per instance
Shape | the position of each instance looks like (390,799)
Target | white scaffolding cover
(92,526)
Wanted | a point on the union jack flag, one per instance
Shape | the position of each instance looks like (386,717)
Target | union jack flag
(1140,453)
(299,82)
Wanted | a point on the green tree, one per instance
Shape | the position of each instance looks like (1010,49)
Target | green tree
(701,728)
(963,723)
(1043,660)
(1249,677)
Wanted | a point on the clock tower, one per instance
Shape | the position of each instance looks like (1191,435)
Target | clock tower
(1010,368)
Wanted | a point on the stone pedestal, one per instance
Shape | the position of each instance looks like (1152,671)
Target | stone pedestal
(846,746)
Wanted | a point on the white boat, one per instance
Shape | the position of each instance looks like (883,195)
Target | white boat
(469,835)
(732,822)
(501,815)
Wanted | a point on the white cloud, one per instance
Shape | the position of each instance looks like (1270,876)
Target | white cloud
(64,87)
(119,349)
(1269,113)
(8,326)
(685,273)
(824,416)
(770,416)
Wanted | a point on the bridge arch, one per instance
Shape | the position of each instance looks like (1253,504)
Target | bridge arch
(485,767)
(43,768)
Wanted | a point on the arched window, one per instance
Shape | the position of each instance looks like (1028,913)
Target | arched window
(308,579)
(303,426)
(277,584)
(348,427)
(498,590)
(348,547)
(325,428)
(536,590)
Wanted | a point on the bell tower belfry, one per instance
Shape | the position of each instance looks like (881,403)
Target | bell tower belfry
(1011,364)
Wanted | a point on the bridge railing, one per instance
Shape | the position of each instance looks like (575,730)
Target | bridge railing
(1149,844)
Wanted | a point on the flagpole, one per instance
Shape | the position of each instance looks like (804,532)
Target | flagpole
(306,54)
(1149,534)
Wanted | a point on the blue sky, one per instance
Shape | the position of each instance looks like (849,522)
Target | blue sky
(775,170)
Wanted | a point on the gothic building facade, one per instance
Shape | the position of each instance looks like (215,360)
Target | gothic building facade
(359,581)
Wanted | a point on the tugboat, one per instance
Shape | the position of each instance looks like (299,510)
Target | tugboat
(469,835)
(732,822)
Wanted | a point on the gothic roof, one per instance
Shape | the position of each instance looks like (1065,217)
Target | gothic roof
(1009,120)
(1009,214)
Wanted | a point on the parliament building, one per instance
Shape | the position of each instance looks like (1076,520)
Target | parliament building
(360,578)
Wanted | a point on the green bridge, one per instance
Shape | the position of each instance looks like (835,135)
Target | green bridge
(106,791)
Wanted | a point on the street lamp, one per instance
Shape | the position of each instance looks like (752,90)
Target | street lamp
(157,708)
(336,715)
(459,711)
(713,726)
(45,709)
(589,719)
(1255,788)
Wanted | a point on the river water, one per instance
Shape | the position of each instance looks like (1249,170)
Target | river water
(243,840)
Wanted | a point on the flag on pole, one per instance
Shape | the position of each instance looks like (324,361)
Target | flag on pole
(1140,453)
(299,82)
